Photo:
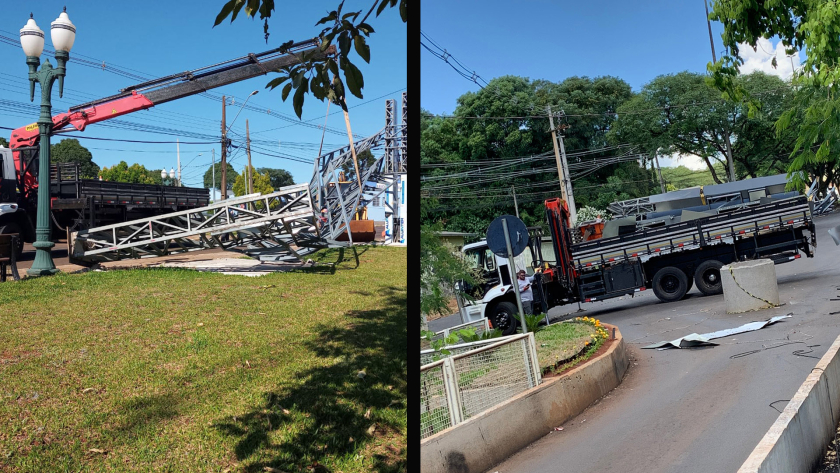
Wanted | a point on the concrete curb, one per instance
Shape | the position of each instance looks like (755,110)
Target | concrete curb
(489,438)
(797,440)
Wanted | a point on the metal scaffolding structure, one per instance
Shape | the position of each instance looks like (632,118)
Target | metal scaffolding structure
(284,225)
(282,218)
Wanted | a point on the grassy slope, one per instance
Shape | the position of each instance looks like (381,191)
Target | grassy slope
(561,341)
(202,372)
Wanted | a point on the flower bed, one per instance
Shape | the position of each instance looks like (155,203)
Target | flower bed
(562,346)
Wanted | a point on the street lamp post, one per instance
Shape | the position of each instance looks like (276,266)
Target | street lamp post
(171,175)
(63,34)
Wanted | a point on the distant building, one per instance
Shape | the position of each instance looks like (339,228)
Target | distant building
(456,239)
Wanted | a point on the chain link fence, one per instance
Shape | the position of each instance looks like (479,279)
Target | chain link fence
(463,385)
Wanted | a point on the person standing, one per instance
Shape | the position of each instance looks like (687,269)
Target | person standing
(525,292)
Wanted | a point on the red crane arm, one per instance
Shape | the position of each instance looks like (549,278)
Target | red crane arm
(28,135)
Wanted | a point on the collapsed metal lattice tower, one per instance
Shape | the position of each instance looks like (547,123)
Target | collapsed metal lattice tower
(286,224)
(282,218)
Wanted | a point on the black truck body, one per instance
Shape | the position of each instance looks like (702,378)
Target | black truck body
(78,203)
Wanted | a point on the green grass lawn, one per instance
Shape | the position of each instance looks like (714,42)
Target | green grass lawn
(561,341)
(176,370)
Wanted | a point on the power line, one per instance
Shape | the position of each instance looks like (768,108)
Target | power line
(444,55)
(323,116)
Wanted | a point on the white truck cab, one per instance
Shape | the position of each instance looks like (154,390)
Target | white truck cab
(494,298)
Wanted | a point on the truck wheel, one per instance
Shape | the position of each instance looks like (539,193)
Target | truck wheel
(14,228)
(503,317)
(707,277)
(670,284)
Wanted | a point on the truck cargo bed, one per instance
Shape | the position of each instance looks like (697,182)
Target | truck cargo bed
(66,186)
(723,229)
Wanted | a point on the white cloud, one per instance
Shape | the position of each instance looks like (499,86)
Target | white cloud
(695,163)
(761,59)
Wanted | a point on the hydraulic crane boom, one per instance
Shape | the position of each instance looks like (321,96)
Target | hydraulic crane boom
(166,89)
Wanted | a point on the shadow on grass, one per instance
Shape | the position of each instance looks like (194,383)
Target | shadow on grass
(328,409)
(143,413)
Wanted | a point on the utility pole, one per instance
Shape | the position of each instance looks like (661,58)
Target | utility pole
(658,171)
(248,151)
(213,172)
(709,23)
(728,142)
(562,168)
(560,173)
(729,156)
(569,192)
(513,189)
(178,152)
(224,152)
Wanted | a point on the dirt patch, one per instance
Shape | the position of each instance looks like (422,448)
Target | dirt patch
(451,308)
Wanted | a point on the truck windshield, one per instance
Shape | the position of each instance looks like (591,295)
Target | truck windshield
(481,259)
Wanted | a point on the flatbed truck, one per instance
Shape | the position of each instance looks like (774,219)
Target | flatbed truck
(667,259)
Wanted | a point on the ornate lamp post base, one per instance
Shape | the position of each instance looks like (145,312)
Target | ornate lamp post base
(43,264)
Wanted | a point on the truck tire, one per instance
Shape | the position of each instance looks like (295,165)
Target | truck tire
(707,277)
(14,228)
(670,284)
(503,317)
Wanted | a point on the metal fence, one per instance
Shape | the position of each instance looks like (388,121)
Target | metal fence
(480,326)
(430,355)
(463,385)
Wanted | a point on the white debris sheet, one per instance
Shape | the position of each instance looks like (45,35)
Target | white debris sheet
(699,340)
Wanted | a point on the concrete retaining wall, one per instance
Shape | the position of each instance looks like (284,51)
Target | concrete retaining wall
(489,438)
(797,440)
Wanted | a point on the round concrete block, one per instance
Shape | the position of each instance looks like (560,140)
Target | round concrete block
(749,285)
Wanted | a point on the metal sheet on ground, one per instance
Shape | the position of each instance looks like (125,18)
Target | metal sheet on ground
(694,340)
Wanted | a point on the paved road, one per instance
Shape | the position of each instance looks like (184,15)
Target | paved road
(697,410)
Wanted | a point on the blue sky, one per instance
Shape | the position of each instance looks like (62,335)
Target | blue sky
(156,38)
(553,40)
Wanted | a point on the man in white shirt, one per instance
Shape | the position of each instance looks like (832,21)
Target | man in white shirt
(525,292)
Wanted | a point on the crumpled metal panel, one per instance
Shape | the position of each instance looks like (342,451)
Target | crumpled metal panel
(696,340)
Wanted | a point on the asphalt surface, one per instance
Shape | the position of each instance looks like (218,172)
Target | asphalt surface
(703,409)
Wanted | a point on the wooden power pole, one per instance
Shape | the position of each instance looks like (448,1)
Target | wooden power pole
(562,168)
(560,173)
(224,152)
(248,151)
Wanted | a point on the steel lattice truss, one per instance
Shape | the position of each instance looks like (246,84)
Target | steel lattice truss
(285,218)
(286,224)
(631,207)
(341,200)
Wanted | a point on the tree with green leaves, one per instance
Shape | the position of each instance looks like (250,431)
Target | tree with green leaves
(261,184)
(814,116)
(312,74)
(682,114)
(208,176)
(471,194)
(4,142)
(279,177)
(136,173)
(440,268)
(365,159)
(70,151)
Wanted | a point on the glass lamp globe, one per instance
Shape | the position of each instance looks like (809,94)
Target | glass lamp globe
(163,173)
(63,32)
(32,38)
(172,173)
